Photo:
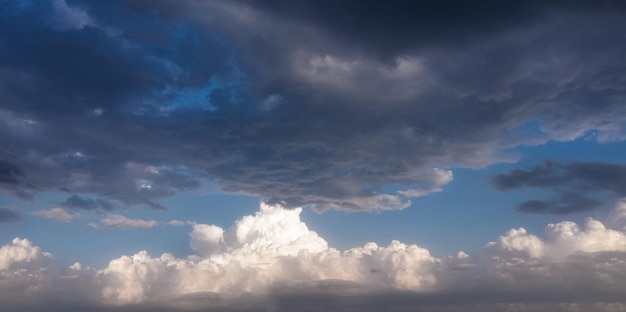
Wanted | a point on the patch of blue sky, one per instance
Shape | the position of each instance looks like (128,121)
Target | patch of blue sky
(583,149)
(190,98)
(530,131)
(228,75)
(236,70)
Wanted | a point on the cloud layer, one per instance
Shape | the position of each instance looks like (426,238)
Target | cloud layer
(272,260)
(290,101)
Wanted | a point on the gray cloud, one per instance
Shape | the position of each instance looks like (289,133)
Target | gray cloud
(79,202)
(7,215)
(574,184)
(9,172)
(151,98)
(395,302)
(565,203)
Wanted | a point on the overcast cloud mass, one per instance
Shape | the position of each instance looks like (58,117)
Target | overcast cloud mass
(118,106)
(294,102)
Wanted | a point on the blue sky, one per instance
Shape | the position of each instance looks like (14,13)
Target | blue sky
(260,155)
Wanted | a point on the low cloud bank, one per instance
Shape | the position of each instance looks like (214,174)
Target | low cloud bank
(271,258)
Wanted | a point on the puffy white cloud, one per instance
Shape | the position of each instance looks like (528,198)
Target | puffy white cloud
(21,254)
(272,248)
(518,242)
(206,239)
(273,252)
(30,277)
(121,222)
(566,261)
(566,238)
(559,240)
(55,213)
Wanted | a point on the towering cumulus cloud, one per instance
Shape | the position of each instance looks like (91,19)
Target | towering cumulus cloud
(258,253)
(271,258)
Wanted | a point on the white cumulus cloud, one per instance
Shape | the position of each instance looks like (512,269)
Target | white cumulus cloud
(274,252)
(273,247)
(559,241)
(27,272)
(22,254)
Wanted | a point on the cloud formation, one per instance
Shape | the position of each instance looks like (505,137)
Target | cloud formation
(114,221)
(55,213)
(291,101)
(271,249)
(574,184)
(271,261)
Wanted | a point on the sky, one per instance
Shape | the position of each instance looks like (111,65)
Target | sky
(274,155)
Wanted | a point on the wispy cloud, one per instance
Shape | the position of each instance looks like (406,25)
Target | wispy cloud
(55,213)
(176,223)
(121,222)
(8,215)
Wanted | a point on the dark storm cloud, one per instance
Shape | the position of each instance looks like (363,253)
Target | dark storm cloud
(72,91)
(391,28)
(9,172)
(324,103)
(573,183)
(565,203)
(7,215)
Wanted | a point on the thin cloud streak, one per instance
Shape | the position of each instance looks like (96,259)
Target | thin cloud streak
(121,222)
(55,213)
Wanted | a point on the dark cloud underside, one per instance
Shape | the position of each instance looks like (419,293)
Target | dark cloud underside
(574,184)
(323,103)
